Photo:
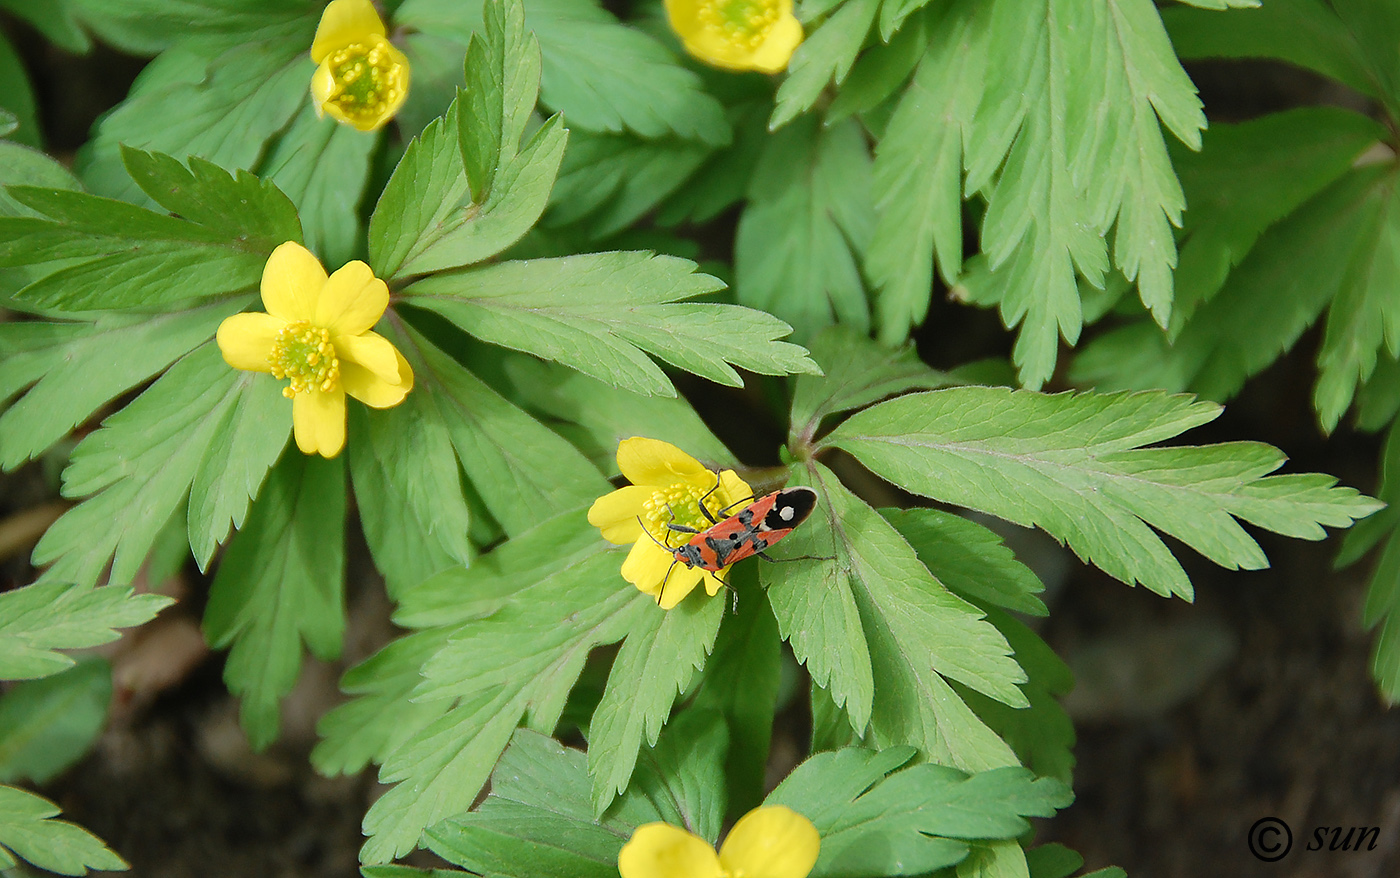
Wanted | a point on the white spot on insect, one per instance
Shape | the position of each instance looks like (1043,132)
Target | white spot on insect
(785,513)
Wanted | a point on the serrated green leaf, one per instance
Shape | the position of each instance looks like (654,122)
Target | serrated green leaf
(233,469)
(597,416)
(918,170)
(969,559)
(39,619)
(323,167)
(607,182)
(913,821)
(221,95)
(140,466)
(656,663)
(607,76)
(281,582)
(1074,465)
(22,166)
(741,682)
(28,830)
(72,369)
(681,780)
(877,613)
(825,55)
(995,859)
(503,76)
(1248,177)
(48,725)
(1307,33)
(599,312)
(521,831)
(517,663)
(426,187)
(92,253)
(858,373)
(806,227)
(718,184)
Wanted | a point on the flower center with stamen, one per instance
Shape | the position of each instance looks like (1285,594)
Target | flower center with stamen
(679,504)
(303,354)
(368,80)
(745,22)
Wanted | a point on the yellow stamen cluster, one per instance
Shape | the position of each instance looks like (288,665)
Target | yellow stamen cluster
(677,504)
(743,22)
(368,79)
(304,354)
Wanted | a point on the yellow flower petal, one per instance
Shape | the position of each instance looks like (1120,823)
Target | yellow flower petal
(771,842)
(352,300)
(344,22)
(319,422)
(783,39)
(291,282)
(372,351)
(372,390)
(246,340)
(733,493)
(659,850)
(659,464)
(616,514)
(646,565)
(322,87)
(714,581)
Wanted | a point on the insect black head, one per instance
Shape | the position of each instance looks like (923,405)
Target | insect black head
(790,508)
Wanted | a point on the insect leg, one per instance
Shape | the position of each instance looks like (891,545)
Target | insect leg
(701,502)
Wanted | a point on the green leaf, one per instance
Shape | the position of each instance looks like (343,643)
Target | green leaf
(918,170)
(741,681)
(969,559)
(517,663)
(882,70)
(877,613)
(48,725)
(913,821)
(281,582)
(20,165)
(503,78)
(72,369)
(596,416)
(598,313)
(858,373)
(380,716)
(427,218)
(608,182)
(1382,609)
(607,76)
(1053,861)
(58,22)
(536,821)
(1337,248)
(825,55)
(807,225)
(656,663)
(524,472)
(110,254)
(37,620)
(323,167)
(995,859)
(17,97)
(680,781)
(28,830)
(221,95)
(1248,177)
(1074,466)
(1307,33)
(717,185)
(140,467)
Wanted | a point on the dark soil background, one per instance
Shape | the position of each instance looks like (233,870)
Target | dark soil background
(1194,720)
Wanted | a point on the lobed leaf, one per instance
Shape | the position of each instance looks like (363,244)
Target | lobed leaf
(599,313)
(1074,465)
(38,620)
(28,831)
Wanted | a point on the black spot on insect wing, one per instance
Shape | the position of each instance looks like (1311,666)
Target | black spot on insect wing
(790,508)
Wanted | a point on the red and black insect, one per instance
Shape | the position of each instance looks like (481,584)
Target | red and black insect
(747,532)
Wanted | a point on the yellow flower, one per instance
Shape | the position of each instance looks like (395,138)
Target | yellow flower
(361,80)
(316,333)
(768,842)
(666,488)
(737,34)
